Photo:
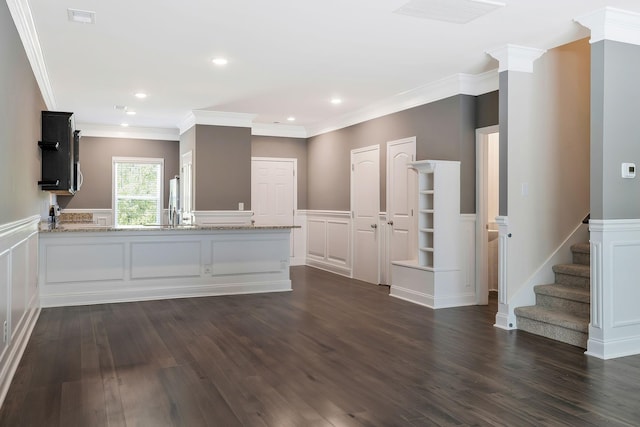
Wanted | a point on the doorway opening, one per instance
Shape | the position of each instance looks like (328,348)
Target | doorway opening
(487,209)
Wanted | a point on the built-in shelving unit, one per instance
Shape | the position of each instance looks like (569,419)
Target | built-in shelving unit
(434,279)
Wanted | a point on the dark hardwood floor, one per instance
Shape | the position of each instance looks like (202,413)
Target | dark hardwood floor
(334,352)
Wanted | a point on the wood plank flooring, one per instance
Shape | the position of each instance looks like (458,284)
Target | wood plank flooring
(334,352)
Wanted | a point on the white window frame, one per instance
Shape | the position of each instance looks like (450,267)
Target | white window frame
(149,160)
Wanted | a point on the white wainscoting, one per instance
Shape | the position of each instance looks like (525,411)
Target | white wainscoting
(79,268)
(299,238)
(614,330)
(329,241)
(19,298)
(222,217)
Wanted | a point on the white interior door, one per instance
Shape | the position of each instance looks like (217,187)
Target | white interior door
(273,191)
(365,206)
(401,202)
(186,190)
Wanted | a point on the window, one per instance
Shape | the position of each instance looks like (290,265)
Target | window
(137,191)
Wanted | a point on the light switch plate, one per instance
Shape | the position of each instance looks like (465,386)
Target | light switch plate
(628,170)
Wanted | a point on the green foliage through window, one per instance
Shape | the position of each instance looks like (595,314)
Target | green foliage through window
(137,186)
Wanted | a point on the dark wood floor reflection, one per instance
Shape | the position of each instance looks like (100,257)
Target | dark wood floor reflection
(334,352)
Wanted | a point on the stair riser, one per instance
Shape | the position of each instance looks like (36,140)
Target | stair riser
(581,258)
(563,305)
(553,332)
(571,280)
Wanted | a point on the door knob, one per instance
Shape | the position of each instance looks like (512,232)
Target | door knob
(374,225)
(390,222)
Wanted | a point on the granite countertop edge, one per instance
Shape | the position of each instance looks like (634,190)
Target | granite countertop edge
(99,229)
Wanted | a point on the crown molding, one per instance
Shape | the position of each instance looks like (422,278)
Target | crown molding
(216,118)
(23,19)
(613,24)
(280,130)
(516,58)
(111,131)
(457,84)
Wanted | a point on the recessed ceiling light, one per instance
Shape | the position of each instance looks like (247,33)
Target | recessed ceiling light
(336,101)
(141,95)
(220,61)
(81,16)
(131,113)
(291,118)
(124,125)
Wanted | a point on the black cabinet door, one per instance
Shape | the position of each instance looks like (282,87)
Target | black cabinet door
(58,171)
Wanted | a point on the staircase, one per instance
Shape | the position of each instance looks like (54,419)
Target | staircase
(562,309)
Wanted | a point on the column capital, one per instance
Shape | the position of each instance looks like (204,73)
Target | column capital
(613,24)
(516,58)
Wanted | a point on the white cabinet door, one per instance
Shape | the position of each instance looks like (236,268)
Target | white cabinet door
(365,205)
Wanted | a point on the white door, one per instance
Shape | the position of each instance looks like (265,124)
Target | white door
(365,206)
(186,192)
(401,202)
(273,191)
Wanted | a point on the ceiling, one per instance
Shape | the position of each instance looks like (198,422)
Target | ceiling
(285,57)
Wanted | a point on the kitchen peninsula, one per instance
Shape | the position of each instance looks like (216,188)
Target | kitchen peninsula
(96,264)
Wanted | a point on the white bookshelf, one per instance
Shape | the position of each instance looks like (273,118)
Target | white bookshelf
(434,279)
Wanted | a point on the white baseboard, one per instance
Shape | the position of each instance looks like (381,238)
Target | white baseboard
(147,294)
(331,268)
(15,352)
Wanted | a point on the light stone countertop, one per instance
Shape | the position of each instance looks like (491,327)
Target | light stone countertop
(84,228)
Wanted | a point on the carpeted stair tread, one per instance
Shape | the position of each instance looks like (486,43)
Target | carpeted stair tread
(573,270)
(566,292)
(584,248)
(564,320)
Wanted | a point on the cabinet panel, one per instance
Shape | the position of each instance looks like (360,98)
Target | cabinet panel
(60,153)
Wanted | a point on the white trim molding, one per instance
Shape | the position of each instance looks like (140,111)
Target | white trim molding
(216,118)
(516,58)
(222,217)
(505,319)
(278,129)
(19,295)
(613,24)
(329,241)
(614,330)
(111,131)
(23,19)
(457,84)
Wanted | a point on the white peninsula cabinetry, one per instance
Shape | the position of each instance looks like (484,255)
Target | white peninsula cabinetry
(435,278)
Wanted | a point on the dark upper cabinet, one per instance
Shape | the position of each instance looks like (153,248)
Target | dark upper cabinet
(60,153)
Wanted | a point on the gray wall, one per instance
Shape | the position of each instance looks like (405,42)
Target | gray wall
(223,168)
(20,106)
(444,130)
(292,148)
(487,109)
(615,67)
(96,161)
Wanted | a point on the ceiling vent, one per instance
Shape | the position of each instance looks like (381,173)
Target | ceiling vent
(456,11)
(81,16)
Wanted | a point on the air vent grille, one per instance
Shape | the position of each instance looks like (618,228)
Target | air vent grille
(455,11)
